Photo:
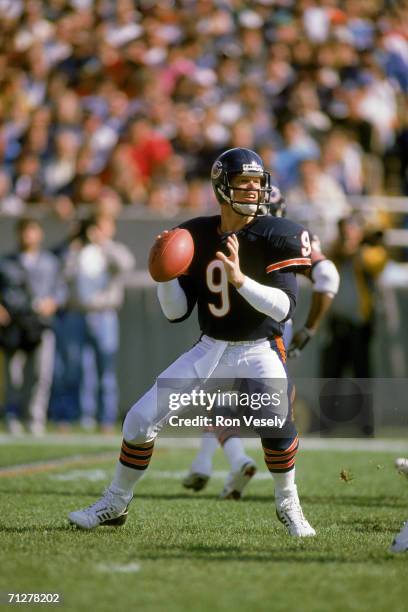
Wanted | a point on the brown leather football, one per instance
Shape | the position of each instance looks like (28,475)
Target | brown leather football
(171,255)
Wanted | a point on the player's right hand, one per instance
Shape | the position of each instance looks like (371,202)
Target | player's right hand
(231,263)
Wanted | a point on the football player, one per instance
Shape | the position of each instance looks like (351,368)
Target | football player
(243,280)
(325,279)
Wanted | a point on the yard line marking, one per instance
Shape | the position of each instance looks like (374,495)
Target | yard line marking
(95,475)
(307,443)
(37,467)
(118,568)
(217,475)
(90,475)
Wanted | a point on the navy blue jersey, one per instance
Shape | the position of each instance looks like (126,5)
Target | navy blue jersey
(271,251)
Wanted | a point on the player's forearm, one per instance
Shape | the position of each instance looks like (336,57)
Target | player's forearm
(321,303)
(269,300)
(173,300)
(326,282)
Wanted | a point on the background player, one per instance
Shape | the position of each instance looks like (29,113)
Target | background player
(325,279)
(243,298)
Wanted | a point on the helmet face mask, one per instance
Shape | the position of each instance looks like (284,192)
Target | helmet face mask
(232,168)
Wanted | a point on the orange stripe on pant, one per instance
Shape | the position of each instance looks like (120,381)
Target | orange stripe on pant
(281,347)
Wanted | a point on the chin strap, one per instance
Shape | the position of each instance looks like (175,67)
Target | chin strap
(259,212)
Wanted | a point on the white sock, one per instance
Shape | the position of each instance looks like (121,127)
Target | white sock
(235,453)
(284,484)
(125,479)
(202,464)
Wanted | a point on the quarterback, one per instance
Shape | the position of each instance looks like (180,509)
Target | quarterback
(243,280)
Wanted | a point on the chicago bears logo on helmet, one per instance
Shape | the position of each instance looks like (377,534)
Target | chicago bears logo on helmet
(216,170)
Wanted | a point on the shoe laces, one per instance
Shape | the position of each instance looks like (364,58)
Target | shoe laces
(293,509)
(106,501)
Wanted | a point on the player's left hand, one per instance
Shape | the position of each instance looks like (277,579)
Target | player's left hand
(231,263)
(299,341)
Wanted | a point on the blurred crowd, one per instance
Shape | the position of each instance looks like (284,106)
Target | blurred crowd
(129,102)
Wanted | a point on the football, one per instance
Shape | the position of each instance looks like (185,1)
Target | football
(171,255)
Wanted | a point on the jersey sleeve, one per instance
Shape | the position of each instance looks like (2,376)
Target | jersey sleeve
(187,284)
(289,251)
(316,255)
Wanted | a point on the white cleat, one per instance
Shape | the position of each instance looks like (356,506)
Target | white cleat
(400,543)
(237,481)
(110,510)
(401,464)
(37,429)
(15,427)
(290,513)
(195,481)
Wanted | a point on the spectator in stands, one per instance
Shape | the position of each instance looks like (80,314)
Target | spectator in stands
(10,204)
(296,146)
(59,173)
(28,185)
(147,81)
(128,185)
(31,290)
(318,200)
(95,265)
(148,150)
(342,159)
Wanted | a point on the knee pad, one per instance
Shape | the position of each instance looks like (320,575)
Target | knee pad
(136,429)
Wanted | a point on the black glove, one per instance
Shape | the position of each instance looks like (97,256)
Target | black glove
(299,341)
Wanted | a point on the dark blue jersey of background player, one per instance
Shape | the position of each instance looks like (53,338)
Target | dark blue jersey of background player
(271,251)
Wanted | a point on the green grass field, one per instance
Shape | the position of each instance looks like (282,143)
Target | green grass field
(185,551)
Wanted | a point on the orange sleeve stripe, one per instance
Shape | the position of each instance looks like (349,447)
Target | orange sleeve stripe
(299,261)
